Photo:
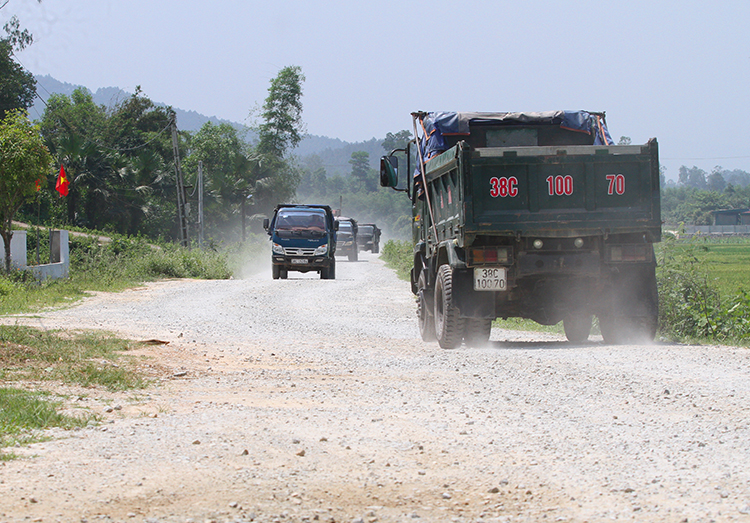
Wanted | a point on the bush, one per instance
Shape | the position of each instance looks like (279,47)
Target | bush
(399,255)
(690,304)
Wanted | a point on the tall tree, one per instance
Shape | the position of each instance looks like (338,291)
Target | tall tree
(360,162)
(282,114)
(17,86)
(23,160)
(276,176)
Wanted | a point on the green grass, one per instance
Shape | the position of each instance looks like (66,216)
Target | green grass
(726,262)
(23,414)
(84,358)
(88,359)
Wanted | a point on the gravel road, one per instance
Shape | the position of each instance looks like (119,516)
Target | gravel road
(314,400)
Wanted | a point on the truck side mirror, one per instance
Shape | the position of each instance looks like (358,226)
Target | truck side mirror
(388,171)
(265,223)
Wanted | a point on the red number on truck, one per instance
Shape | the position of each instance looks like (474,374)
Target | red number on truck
(560,185)
(616,184)
(503,187)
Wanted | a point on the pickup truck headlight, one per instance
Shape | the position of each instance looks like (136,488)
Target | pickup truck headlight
(323,249)
(277,249)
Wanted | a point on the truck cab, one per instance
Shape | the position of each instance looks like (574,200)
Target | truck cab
(346,237)
(303,239)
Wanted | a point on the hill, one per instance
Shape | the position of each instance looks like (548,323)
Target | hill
(332,153)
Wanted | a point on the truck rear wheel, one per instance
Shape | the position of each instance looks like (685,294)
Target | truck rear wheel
(353,256)
(275,271)
(637,293)
(424,314)
(449,326)
(477,331)
(577,327)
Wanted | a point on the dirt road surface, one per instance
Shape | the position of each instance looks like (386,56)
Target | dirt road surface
(314,400)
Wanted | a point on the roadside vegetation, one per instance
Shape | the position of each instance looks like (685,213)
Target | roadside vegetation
(703,289)
(30,355)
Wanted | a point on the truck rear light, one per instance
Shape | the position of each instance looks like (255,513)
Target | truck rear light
(630,253)
(487,255)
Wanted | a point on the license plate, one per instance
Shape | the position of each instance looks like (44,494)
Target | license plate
(299,261)
(490,279)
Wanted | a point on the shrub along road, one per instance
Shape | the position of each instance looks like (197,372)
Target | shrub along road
(308,399)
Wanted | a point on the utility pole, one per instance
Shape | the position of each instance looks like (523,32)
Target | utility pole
(182,209)
(200,204)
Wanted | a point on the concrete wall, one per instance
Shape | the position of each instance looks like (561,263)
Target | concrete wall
(59,266)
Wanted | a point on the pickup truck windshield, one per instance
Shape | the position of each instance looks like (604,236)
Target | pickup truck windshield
(307,223)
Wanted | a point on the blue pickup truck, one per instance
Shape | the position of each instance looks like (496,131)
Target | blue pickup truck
(303,239)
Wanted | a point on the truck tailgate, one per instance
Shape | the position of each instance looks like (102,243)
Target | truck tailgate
(572,190)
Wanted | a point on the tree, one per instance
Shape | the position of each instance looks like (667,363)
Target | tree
(17,86)
(282,112)
(396,141)
(360,162)
(276,176)
(226,170)
(23,160)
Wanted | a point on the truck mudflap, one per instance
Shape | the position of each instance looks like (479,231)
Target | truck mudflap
(471,303)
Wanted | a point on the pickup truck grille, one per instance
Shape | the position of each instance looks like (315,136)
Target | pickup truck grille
(295,251)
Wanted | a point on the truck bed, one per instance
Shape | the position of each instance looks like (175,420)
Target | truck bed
(557,191)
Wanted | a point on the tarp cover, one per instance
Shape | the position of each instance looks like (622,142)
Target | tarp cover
(439,124)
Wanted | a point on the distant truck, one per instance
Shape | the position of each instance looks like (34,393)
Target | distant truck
(530,215)
(368,237)
(346,238)
(303,239)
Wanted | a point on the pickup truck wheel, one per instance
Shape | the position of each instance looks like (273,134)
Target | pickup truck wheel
(577,327)
(449,326)
(353,256)
(477,331)
(375,248)
(283,273)
(275,271)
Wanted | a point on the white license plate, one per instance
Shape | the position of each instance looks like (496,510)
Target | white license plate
(299,261)
(490,279)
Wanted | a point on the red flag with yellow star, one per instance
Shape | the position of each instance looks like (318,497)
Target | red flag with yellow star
(62,182)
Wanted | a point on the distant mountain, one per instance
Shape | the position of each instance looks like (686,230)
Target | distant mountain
(334,154)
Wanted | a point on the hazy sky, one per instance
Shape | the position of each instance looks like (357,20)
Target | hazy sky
(676,70)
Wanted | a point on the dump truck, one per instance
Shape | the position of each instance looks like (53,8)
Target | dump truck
(303,239)
(535,215)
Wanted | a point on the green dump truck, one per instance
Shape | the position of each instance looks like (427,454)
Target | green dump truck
(530,215)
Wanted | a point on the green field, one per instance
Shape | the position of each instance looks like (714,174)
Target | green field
(725,261)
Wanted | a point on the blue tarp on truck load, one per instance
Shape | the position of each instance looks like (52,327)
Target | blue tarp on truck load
(438,124)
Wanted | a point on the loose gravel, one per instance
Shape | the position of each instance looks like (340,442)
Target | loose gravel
(315,400)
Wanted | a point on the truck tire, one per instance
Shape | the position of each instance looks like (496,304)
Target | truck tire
(353,256)
(449,326)
(577,327)
(424,313)
(477,331)
(329,273)
(283,273)
(275,271)
(375,248)
(641,294)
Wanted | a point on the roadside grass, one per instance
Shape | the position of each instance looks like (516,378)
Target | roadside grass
(704,289)
(24,414)
(115,265)
(88,359)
